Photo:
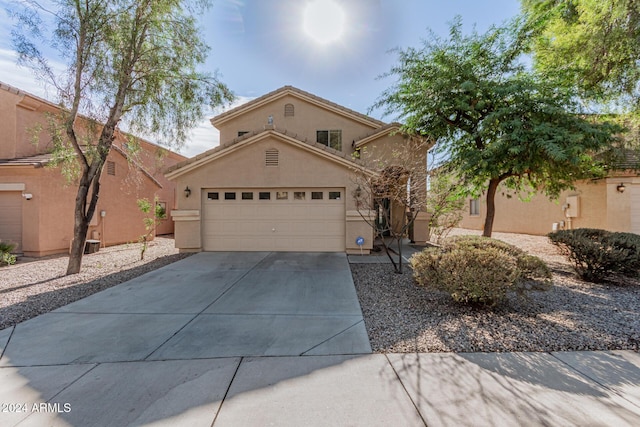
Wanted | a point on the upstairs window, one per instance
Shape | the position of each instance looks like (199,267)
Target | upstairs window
(289,110)
(330,138)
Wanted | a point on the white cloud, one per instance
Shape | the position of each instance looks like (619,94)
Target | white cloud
(20,77)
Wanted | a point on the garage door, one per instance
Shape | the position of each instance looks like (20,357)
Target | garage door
(283,219)
(11,218)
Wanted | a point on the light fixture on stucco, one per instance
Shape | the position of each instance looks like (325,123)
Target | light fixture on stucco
(620,188)
(187,192)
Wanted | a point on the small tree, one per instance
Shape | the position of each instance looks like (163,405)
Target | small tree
(443,204)
(6,257)
(396,191)
(494,121)
(131,60)
(150,222)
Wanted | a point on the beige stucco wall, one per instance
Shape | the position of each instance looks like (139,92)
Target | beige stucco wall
(397,149)
(48,217)
(600,206)
(244,167)
(7,124)
(156,160)
(308,119)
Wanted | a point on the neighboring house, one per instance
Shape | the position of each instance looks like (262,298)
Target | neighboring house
(282,178)
(611,204)
(36,201)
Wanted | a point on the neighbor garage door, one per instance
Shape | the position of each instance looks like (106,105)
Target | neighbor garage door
(283,219)
(635,208)
(11,218)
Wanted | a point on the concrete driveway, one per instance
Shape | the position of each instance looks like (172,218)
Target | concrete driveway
(208,305)
(257,339)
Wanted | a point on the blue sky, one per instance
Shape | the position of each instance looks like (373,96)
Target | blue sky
(260,45)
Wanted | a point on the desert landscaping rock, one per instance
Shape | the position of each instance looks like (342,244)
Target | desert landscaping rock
(38,285)
(572,315)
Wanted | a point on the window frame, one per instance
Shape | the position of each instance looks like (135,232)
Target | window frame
(330,135)
(474,207)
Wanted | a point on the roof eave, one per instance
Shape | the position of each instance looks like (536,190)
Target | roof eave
(209,156)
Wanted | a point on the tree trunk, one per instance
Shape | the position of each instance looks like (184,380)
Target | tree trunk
(80,228)
(83,215)
(491,207)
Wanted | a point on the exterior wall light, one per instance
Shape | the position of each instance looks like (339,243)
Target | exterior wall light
(620,188)
(187,192)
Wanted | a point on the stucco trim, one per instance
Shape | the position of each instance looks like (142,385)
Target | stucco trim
(12,187)
(300,94)
(212,155)
(363,215)
(185,215)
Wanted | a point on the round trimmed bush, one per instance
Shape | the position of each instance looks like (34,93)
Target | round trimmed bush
(477,270)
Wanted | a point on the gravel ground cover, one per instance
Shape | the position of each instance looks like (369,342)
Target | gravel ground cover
(38,285)
(572,315)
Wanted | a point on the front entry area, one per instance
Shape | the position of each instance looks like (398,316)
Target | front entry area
(274,219)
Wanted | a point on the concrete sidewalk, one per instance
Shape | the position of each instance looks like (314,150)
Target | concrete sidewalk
(278,339)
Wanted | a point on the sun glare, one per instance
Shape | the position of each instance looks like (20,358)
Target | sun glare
(324,21)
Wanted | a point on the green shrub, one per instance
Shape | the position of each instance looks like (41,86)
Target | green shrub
(598,254)
(6,257)
(530,267)
(477,270)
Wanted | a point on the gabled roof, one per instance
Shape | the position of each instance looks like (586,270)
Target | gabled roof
(37,161)
(32,102)
(208,156)
(41,160)
(381,132)
(301,94)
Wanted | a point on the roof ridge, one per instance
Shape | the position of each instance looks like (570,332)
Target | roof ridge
(299,91)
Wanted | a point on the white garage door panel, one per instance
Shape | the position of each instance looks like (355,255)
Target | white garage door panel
(11,218)
(274,225)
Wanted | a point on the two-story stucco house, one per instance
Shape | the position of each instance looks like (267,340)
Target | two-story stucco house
(36,201)
(282,178)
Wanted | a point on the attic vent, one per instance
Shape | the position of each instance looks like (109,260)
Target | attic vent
(289,110)
(111,168)
(271,158)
